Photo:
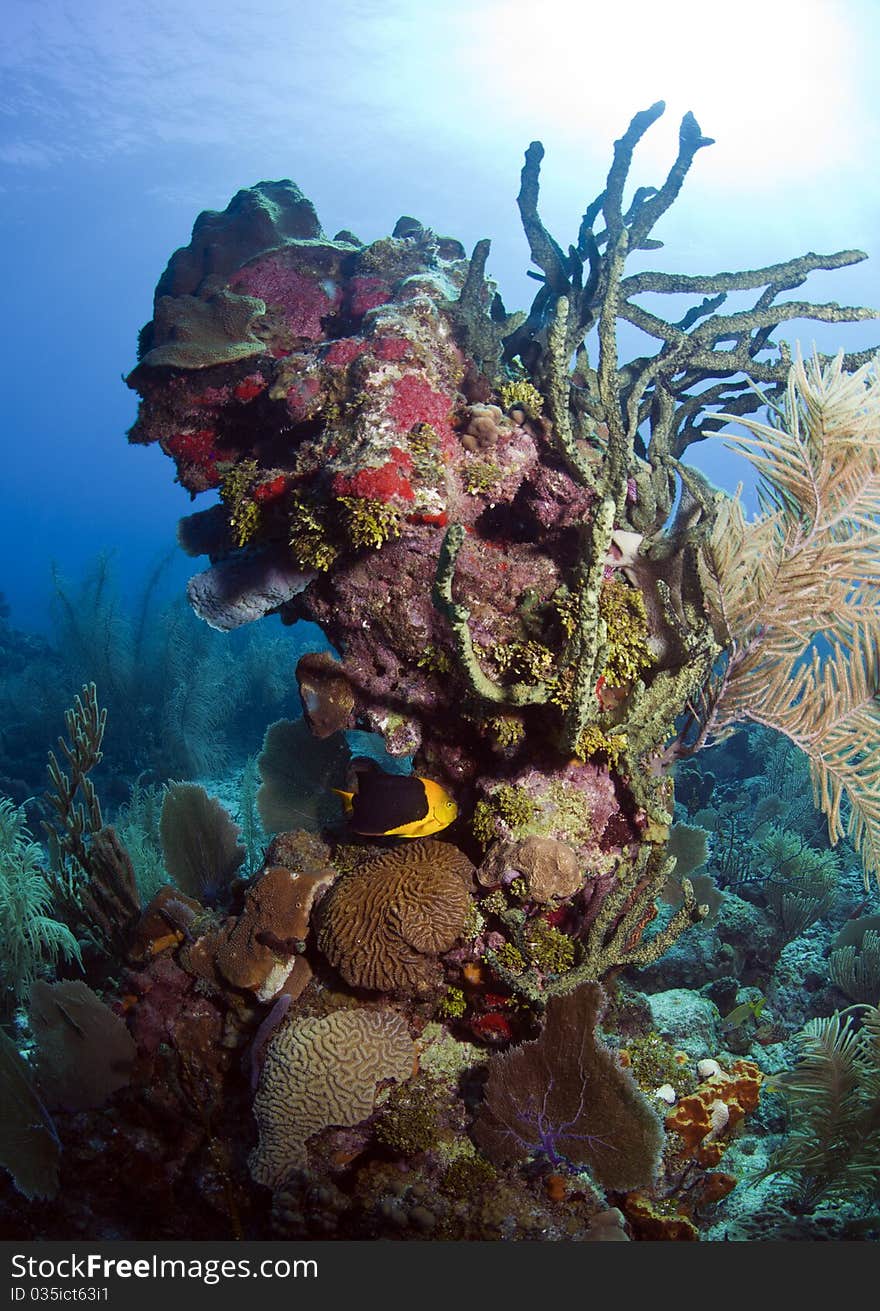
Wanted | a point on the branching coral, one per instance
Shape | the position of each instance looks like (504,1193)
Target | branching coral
(665,393)
(457,614)
(91,874)
(611,936)
(74,799)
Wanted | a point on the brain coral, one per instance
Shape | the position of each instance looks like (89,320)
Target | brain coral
(384,924)
(320,1072)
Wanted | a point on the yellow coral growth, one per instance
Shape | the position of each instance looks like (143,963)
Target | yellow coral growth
(244,513)
(369,522)
(309,540)
(626,620)
(654,1219)
(520,394)
(593,742)
(507,730)
(529,661)
(435,660)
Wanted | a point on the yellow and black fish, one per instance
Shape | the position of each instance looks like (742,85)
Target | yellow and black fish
(395,805)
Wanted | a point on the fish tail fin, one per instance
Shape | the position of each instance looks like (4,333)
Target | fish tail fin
(346,799)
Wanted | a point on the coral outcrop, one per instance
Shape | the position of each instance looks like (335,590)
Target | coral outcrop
(484,533)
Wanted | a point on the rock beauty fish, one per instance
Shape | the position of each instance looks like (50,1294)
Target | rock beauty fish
(395,805)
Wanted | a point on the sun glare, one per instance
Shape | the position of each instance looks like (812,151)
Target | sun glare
(776,84)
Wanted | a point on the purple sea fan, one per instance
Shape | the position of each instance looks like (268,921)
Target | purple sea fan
(566,1096)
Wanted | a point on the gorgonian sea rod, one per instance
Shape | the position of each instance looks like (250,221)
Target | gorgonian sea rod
(484,530)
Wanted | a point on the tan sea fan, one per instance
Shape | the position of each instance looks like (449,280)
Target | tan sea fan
(807,569)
